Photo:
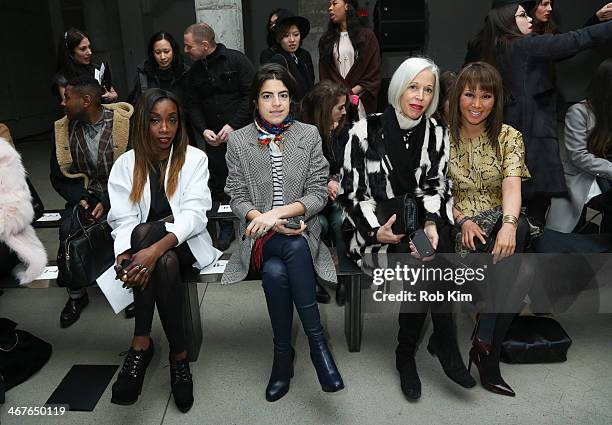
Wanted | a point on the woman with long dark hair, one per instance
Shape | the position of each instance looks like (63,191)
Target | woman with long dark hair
(525,61)
(276,181)
(159,198)
(543,18)
(349,54)
(163,68)
(325,108)
(403,154)
(486,168)
(588,169)
(74,58)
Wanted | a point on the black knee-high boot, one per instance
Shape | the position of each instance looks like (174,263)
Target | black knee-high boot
(443,344)
(410,325)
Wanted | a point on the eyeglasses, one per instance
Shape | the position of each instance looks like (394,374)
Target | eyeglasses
(523,15)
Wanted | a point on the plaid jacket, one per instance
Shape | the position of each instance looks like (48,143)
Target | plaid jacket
(249,184)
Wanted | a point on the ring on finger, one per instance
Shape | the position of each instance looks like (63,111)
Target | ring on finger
(145,269)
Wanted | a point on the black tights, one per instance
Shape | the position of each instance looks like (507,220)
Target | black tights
(165,288)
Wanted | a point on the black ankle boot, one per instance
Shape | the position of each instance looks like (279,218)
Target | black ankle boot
(72,310)
(282,372)
(327,372)
(450,359)
(128,385)
(409,377)
(181,383)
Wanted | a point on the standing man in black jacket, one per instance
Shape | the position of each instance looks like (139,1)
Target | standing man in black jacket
(218,89)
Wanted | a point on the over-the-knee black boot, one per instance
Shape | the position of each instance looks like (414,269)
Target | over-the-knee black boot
(322,359)
(443,343)
(410,325)
(280,309)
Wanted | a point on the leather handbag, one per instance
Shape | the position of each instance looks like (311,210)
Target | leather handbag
(406,210)
(534,339)
(86,250)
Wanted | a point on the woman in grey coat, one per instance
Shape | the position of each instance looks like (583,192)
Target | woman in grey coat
(588,170)
(278,184)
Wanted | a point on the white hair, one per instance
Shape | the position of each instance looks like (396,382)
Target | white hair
(404,75)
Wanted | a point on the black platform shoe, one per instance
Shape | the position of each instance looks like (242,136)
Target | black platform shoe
(181,383)
(282,372)
(128,385)
(72,310)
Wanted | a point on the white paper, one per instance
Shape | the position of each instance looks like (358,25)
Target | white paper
(224,209)
(50,217)
(50,272)
(215,268)
(118,296)
(98,76)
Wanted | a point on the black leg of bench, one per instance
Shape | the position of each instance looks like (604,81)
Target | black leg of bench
(353,318)
(193,324)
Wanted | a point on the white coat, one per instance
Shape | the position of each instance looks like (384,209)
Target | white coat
(189,205)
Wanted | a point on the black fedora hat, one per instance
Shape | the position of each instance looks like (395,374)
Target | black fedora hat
(287,17)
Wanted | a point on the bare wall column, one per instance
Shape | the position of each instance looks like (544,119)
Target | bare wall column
(225,16)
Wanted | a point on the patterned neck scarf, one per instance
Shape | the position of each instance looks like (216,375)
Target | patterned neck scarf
(272,132)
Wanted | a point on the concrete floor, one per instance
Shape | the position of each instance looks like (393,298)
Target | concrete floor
(234,365)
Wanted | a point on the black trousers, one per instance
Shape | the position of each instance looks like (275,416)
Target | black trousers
(218,171)
(166,288)
(411,324)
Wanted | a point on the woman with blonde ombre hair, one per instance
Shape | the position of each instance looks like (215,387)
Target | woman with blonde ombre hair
(159,196)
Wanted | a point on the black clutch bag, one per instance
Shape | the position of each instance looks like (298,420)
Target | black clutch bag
(86,251)
(406,210)
(533,339)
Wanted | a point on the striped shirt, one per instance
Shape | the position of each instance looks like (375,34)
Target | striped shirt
(276,160)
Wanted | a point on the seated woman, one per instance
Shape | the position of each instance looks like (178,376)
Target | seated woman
(487,163)
(22,255)
(159,197)
(325,107)
(406,140)
(277,172)
(588,170)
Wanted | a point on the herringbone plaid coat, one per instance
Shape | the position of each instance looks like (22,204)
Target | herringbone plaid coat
(249,184)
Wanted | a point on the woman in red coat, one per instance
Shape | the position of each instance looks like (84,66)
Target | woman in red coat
(349,55)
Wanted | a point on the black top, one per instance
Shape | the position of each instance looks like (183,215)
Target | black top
(403,148)
(334,150)
(299,66)
(151,76)
(160,208)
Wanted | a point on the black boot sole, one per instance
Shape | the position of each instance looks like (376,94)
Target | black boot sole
(472,384)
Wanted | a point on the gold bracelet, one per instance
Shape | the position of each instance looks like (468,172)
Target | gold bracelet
(509,218)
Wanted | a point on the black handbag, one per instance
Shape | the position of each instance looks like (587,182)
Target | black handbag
(406,210)
(534,339)
(86,250)
(21,354)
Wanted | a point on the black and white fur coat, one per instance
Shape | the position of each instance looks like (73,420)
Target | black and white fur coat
(16,214)
(365,180)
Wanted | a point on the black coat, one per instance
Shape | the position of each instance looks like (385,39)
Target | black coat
(149,76)
(218,89)
(302,71)
(526,68)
